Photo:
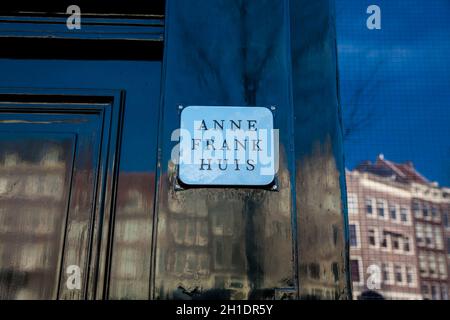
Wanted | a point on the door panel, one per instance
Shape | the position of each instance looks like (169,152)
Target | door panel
(50,167)
(105,111)
(35,176)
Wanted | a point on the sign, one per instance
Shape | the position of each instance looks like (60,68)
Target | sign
(227,146)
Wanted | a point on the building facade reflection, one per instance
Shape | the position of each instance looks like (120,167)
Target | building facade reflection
(34,193)
(398,224)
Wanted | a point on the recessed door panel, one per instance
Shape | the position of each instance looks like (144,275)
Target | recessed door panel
(109,110)
(50,164)
(35,175)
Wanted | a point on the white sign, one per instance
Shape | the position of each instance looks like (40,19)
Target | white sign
(227,146)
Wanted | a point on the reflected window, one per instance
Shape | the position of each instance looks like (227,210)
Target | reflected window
(406,245)
(423,265)
(425,210)
(445,218)
(434,292)
(354,264)
(353,235)
(416,209)
(444,292)
(380,208)
(435,212)
(372,237)
(395,242)
(438,238)
(398,274)
(369,206)
(384,240)
(420,234)
(432,265)
(352,200)
(404,214)
(429,235)
(442,267)
(409,275)
(425,290)
(393,212)
(386,272)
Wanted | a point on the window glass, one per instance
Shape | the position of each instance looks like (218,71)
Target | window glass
(416,209)
(372,237)
(398,274)
(384,240)
(393,212)
(380,208)
(369,206)
(406,244)
(355,270)
(385,270)
(445,218)
(438,238)
(352,203)
(409,275)
(353,236)
(404,214)
(423,265)
(395,242)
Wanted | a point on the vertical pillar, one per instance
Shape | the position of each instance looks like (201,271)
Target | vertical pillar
(322,237)
(249,243)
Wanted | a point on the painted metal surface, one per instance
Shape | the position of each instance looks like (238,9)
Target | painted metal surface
(127,222)
(148,28)
(248,243)
(107,227)
(54,174)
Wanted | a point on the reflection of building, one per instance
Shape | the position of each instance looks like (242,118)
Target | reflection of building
(445,210)
(396,220)
(33,199)
(209,245)
(132,234)
(427,205)
(320,246)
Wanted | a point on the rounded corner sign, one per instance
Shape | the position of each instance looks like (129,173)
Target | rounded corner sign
(227,146)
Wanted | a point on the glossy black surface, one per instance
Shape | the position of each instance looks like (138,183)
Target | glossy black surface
(52,171)
(106,7)
(249,243)
(106,195)
(322,240)
(120,217)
